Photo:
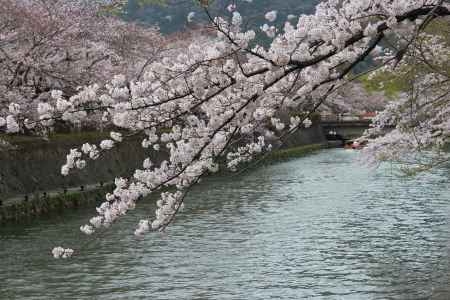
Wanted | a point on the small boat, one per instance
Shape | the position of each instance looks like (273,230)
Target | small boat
(355,145)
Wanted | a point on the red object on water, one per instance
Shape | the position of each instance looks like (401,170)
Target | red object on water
(367,115)
(356,145)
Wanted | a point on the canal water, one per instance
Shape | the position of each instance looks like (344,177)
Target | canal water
(318,227)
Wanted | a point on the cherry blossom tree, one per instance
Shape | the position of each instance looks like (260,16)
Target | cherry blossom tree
(48,45)
(354,98)
(218,99)
(420,114)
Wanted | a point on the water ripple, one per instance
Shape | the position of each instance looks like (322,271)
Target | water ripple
(320,227)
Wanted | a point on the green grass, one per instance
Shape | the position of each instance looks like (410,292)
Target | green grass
(389,83)
(72,138)
(61,138)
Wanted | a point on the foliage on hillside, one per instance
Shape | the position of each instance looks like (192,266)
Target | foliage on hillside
(387,82)
(395,81)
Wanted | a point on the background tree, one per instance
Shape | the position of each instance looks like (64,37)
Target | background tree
(62,45)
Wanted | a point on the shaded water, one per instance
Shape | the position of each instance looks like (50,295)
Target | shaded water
(318,227)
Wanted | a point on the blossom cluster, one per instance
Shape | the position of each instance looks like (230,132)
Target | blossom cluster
(60,252)
(223,98)
(414,128)
(48,49)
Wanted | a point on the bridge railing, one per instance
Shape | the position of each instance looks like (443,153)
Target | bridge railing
(344,118)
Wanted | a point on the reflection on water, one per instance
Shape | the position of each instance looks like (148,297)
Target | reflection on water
(318,227)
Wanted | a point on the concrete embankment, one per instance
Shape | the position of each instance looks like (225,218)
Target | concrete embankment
(31,182)
(22,208)
(34,166)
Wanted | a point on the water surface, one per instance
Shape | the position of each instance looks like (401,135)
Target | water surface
(318,227)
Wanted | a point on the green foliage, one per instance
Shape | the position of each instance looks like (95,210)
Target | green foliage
(400,80)
(439,27)
(391,83)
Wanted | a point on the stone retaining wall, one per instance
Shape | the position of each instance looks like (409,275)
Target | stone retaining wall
(29,172)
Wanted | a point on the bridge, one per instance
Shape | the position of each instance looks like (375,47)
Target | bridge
(345,130)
